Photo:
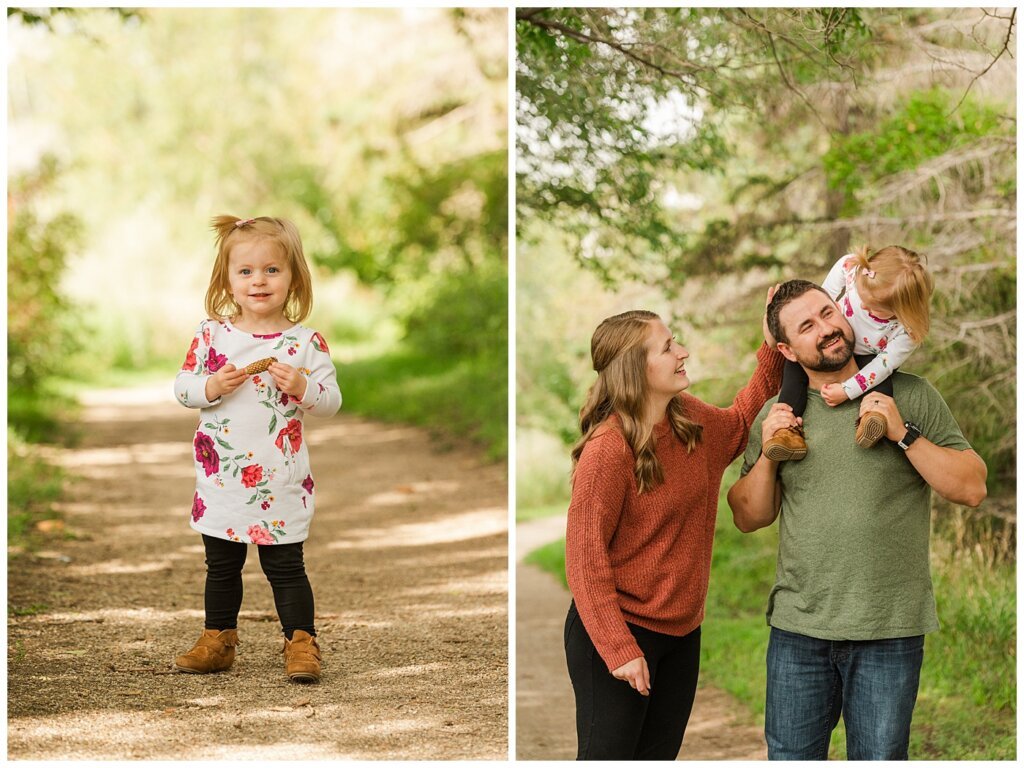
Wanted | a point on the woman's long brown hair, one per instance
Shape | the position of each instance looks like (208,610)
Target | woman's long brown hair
(619,355)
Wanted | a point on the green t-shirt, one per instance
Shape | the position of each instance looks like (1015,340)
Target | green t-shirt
(854,523)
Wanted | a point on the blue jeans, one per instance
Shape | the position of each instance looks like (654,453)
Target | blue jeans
(811,682)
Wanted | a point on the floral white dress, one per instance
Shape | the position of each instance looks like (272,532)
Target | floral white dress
(887,340)
(253,479)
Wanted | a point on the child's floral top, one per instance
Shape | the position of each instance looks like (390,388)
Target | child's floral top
(253,481)
(887,340)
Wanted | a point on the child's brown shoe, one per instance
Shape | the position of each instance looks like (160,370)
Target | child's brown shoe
(786,444)
(214,651)
(870,428)
(302,657)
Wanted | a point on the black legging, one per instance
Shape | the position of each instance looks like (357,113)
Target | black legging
(284,568)
(794,384)
(615,722)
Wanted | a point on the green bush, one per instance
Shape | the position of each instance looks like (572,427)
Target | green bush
(32,488)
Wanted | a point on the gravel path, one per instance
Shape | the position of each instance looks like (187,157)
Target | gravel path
(407,558)
(720,728)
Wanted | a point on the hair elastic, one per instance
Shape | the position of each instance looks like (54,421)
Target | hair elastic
(243,222)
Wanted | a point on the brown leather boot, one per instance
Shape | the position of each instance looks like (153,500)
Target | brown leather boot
(302,657)
(786,444)
(214,651)
(870,428)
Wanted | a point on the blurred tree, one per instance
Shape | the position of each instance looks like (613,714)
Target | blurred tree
(630,119)
(42,327)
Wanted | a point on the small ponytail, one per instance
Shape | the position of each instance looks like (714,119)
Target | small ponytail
(899,278)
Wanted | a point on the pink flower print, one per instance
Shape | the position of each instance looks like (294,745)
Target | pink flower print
(883,342)
(265,506)
(283,400)
(848,263)
(319,343)
(871,379)
(252,475)
(206,336)
(292,350)
(308,483)
(198,508)
(190,358)
(206,454)
(848,307)
(259,535)
(232,535)
(294,434)
(215,362)
(862,382)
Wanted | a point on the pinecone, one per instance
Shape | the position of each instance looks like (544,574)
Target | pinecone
(259,366)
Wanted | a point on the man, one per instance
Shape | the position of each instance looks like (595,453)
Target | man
(852,598)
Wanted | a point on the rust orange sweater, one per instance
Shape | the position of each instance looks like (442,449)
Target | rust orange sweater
(646,559)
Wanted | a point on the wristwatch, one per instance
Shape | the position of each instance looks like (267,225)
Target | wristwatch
(913,432)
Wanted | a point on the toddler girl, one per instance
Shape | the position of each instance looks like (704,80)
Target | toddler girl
(884,296)
(253,481)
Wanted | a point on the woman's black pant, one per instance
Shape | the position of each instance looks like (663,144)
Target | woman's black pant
(794,384)
(284,568)
(613,721)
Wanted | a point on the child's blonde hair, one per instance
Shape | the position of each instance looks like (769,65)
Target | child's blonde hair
(231,230)
(898,278)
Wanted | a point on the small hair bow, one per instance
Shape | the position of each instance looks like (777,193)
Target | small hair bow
(870,273)
(243,222)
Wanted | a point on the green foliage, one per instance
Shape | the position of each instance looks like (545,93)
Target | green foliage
(43,328)
(615,104)
(456,399)
(464,312)
(33,486)
(550,558)
(922,129)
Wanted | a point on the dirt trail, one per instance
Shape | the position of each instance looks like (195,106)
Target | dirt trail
(719,729)
(408,561)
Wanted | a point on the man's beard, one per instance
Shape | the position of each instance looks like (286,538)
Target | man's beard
(825,364)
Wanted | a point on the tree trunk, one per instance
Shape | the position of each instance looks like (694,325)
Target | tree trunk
(839,240)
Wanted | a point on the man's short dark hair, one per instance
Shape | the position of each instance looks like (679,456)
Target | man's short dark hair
(789,290)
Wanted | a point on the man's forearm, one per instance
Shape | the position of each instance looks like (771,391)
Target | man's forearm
(957,476)
(755,497)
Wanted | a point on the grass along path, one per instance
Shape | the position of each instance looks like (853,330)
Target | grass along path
(407,557)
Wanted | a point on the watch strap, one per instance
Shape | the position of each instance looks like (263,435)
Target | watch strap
(913,432)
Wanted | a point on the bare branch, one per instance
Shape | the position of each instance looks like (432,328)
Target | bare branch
(1004,49)
(684,77)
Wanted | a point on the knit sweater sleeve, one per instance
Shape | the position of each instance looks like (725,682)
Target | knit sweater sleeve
(729,428)
(600,488)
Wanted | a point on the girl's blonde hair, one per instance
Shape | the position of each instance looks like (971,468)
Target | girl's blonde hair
(898,278)
(619,354)
(231,230)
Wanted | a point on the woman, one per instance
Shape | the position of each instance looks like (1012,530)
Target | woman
(646,477)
